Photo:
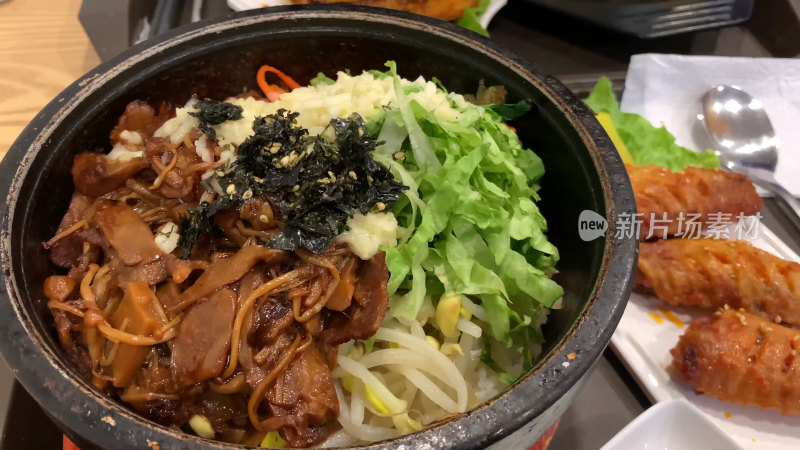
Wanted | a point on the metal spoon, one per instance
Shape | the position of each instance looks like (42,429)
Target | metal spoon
(742,134)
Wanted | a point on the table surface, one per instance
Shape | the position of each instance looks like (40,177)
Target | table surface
(35,66)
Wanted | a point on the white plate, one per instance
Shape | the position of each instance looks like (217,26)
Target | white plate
(241,5)
(671,425)
(644,348)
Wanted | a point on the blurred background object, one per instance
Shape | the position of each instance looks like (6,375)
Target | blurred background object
(654,18)
(576,40)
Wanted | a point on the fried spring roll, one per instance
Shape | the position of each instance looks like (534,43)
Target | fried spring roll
(741,358)
(711,273)
(692,193)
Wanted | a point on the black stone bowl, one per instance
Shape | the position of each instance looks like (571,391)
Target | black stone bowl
(219,58)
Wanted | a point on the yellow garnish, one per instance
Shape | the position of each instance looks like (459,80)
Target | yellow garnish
(376,403)
(393,345)
(202,426)
(273,440)
(605,121)
(347,382)
(447,312)
(432,340)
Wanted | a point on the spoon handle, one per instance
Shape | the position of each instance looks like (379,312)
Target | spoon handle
(790,202)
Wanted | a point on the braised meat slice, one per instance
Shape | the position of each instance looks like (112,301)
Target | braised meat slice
(200,349)
(94,175)
(127,233)
(303,400)
(141,118)
(363,318)
(226,271)
(271,320)
(66,251)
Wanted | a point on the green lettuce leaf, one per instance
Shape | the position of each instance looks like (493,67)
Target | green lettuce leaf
(321,79)
(471,18)
(469,220)
(511,111)
(646,143)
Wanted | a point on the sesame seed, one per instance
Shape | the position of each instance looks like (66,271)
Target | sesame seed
(231,189)
(296,188)
(369,179)
(777,319)
(285,160)
(727,307)
(220,173)
(399,155)
(247,194)
(275,148)
(263,218)
(352,175)
(380,205)
(333,177)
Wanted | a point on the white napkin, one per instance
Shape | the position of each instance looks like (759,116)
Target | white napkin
(666,89)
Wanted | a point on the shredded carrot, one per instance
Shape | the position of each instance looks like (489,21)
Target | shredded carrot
(272,91)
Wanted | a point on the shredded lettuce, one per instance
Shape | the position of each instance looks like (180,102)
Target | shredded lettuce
(512,111)
(469,218)
(321,79)
(471,18)
(646,143)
